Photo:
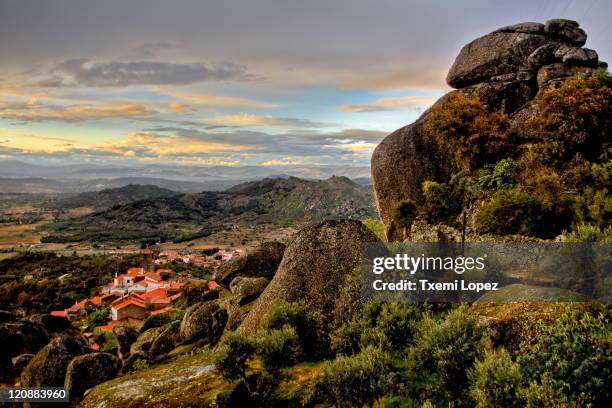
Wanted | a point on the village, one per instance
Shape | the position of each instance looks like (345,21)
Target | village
(143,291)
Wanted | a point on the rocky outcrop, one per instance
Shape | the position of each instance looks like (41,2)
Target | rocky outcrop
(53,324)
(48,367)
(156,320)
(262,262)
(246,290)
(205,320)
(506,70)
(89,370)
(313,269)
(22,337)
(144,340)
(167,339)
(125,336)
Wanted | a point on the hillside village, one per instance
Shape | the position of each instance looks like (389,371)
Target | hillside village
(144,291)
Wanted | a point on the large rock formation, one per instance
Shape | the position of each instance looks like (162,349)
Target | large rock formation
(205,320)
(261,263)
(506,70)
(89,370)
(313,269)
(48,367)
(125,336)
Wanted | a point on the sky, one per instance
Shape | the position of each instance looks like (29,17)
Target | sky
(249,82)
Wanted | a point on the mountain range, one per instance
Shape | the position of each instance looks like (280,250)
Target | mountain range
(180,217)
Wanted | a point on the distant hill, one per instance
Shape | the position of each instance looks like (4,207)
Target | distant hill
(112,197)
(282,201)
(40,185)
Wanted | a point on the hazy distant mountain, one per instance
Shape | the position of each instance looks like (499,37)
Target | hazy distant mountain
(38,185)
(281,201)
(112,197)
(83,172)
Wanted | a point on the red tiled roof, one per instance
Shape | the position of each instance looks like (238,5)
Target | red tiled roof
(61,313)
(147,251)
(129,302)
(113,323)
(96,300)
(164,310)
(160,301)
(78,306)
(213,285)
(135,271)
(155,293)
(94,346)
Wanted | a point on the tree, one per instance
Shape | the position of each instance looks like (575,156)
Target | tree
(403,215)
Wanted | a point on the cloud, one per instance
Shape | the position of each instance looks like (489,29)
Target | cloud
(73,113)
(148,50)
(417,103)
(220,101)
(84,72)
(285,161)
(255,120)
(181,107)
(146,144)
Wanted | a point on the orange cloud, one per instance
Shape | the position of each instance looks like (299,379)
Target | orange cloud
(75,113)
(387,104)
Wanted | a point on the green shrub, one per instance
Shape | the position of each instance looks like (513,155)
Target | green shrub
(574,119)
(500,176)
(141,364)
(231,358)
(346,339)
(403,214)
(573,356)
(354,381)
(443,354)
(98,318)
(439,204)
(307,324)
(471,133)
(279,348)
(517,211)
(588,233)
(374,225)
(497,381)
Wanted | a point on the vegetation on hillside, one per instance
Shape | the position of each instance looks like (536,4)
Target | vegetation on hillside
(190,216)
(408,355)
(58,281)
(553,182)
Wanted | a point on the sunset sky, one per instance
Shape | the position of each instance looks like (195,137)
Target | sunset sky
(230,82)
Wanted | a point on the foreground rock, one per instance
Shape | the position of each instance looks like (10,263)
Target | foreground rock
(167,339)
(506,70)
(191,381)
(205,320)
(89,370)
(156,320)
(262,262)
(313,269)
(48,367)
(246,290)
(125,336)
(144,340)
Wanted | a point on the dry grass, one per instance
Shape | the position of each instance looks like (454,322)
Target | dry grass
(17,234)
